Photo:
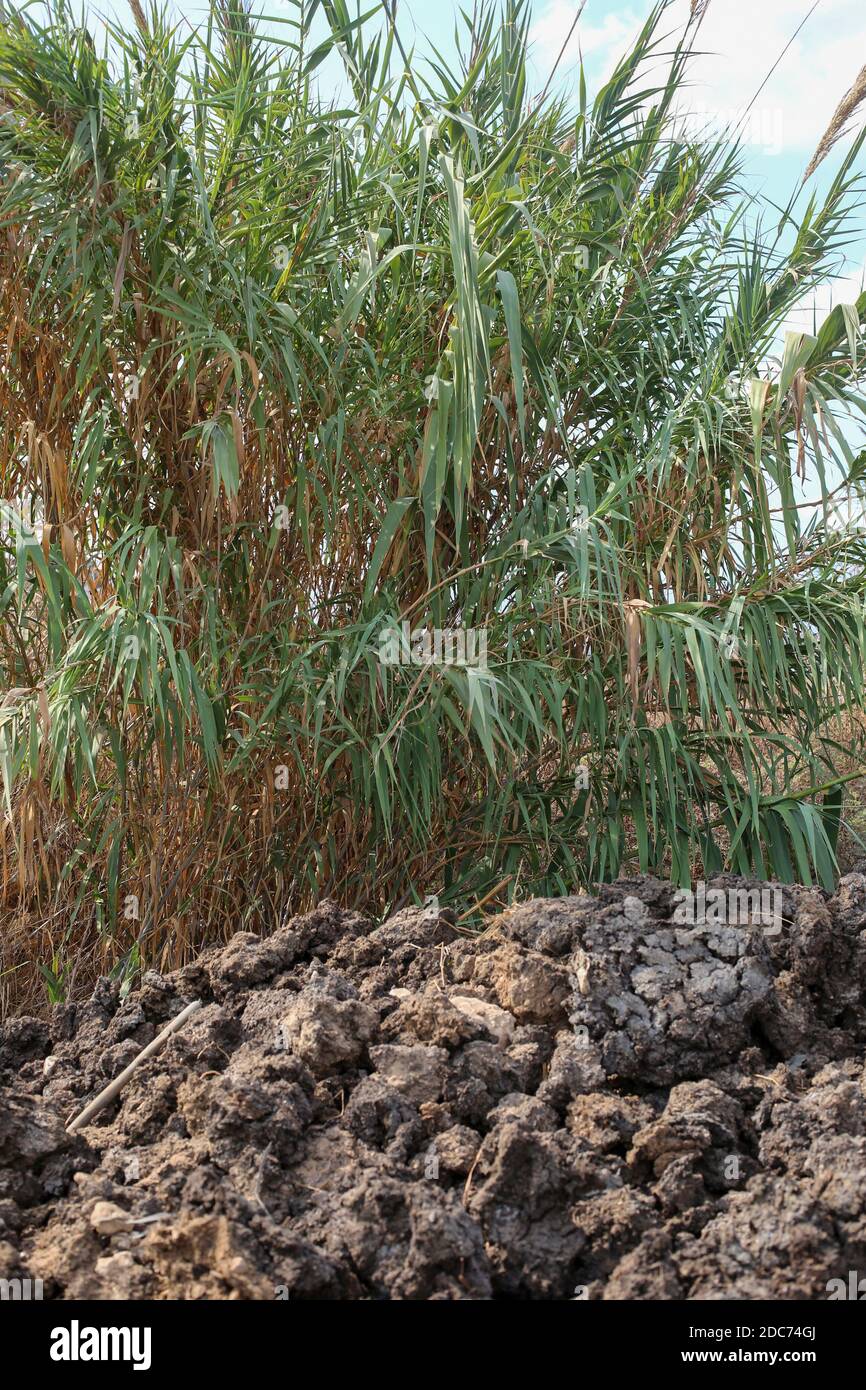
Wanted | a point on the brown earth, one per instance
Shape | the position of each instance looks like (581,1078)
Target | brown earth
(588,1100)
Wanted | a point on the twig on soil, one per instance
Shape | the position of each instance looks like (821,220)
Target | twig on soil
(771,1080)
(468,1184)
(260,1179)
(114,1086)
(486,899)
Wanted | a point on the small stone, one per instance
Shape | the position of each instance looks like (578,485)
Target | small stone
(418,1072)
(107,1219)
(489,1018)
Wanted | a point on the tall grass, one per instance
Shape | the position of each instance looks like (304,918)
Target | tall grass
(280,372)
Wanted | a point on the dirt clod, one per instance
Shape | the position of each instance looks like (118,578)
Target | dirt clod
(590,1096)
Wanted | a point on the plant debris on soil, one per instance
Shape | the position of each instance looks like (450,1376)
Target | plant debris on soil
(589,1099)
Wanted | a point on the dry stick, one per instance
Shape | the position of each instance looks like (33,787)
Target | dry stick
(114,1086)
(469,1177)
(486,899)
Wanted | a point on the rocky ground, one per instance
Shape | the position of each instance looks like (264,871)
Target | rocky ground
(589,1100)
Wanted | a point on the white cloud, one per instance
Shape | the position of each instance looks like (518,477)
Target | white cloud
(609,38)
(601,43)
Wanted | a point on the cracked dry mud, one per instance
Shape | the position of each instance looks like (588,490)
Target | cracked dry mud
(587,1097)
